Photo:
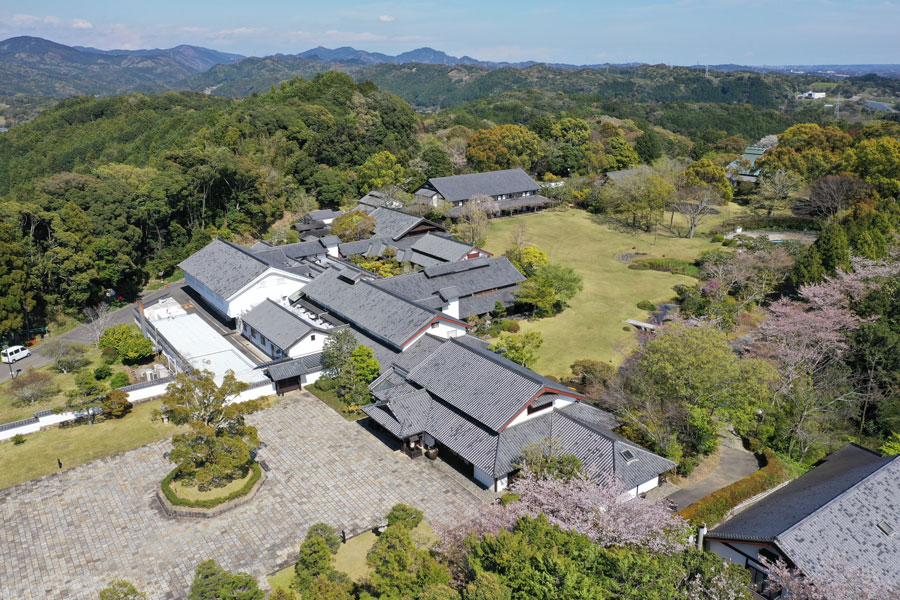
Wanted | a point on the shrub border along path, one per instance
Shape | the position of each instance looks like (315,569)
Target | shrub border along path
(173,505)
(712,509)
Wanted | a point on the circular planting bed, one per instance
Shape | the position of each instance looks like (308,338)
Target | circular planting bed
(178,499)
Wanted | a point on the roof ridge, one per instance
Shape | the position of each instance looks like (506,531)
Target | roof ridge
(494,357)
(296,316)
(245,251)
(887,463)
(413,302)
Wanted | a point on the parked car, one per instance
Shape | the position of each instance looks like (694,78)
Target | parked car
(14,353)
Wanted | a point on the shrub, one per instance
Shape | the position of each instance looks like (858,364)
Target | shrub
(775,222)
(327,533)
(729,242)
(717,239)
(102,372)
(646,305)
(109,355)
(32,386)
(18,439)
(713,508)
(175,500)
(510,326)
(118,380)
(508,498)
(405,516)
(326,384)
(131,345)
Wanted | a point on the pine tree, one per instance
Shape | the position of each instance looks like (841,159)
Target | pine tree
(833,248)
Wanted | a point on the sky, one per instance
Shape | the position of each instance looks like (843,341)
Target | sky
(681,32)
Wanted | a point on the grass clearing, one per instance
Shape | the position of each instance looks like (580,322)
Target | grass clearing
(10,410)
(351,557)
(592,326)
(193,493)
(80,444)
(330,398)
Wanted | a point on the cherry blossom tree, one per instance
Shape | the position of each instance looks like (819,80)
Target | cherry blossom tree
(845,581)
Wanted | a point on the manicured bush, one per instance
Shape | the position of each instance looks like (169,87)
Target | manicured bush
(405,516)
(327,533)
(775,222)
(510,326)
(102,372)
(646,305)
(119,379)
(508,498)
(174,499)
(717,239)
(729,242)
(713,508)
(18,439)
(326,384)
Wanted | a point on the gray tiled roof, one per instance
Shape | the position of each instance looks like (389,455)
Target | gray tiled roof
(834,509)
(456,188)
(619,176)
(470,277)
(277,323)
(295,367)
(441,247)
(480,383)
(223,267)
(379,313)
(393,224)
(325,213)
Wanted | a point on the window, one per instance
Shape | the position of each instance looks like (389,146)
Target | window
(312,338)
(628,455)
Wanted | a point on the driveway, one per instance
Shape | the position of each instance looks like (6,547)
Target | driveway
(65,536)
(82,334)
(734,463)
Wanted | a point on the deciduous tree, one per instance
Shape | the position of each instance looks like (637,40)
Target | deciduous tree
(503,147)
(706,172)
(774,191)
(353,225)
(212,582)
(520,348)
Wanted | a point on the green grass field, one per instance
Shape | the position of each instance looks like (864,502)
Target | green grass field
(351,557)
(592,325)
(78,445)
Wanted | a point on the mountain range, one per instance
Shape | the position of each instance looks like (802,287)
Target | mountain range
(425,77)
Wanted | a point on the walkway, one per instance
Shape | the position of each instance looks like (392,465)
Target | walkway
(734,463)
(65,536)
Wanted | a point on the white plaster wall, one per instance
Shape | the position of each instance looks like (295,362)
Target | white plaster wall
(272,284)
(310,378)
(502,484)
(483,478)
(443,329)
(254,393)
(524,416)
(207,294)
(148,392)
(724,552)
(308,345)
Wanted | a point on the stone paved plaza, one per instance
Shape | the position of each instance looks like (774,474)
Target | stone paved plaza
(65,536)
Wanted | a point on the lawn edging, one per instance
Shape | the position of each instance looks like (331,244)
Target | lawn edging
(712,509)
(173,505)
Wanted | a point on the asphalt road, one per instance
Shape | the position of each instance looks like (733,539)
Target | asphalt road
(80,334)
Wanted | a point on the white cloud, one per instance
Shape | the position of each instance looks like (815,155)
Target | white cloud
(354,36)
(241,31)
(81,24)
(23,20)
(385,18)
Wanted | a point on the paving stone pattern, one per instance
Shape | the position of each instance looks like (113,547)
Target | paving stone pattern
(65,536)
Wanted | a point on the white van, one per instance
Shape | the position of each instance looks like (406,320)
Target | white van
(14,353)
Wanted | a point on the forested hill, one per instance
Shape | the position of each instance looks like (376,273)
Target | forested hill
(443,86)
(104,193)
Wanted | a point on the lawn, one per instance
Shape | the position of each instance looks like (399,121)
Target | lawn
(592,326)
(13,411)
(330,398)
(351,557)
(80,444)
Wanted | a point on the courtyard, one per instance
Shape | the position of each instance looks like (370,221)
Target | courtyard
(65,536)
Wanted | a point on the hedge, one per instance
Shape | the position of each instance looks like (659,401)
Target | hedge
(667,265)
(777,223)
(713,508)
(175,500)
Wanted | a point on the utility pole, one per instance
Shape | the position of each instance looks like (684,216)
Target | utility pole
(837,107)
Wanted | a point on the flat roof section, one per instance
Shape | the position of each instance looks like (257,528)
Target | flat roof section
(204,348)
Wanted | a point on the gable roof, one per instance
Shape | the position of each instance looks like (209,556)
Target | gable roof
(442,247)
(835,507)
(456,188)
(469,277)
(279,324)
(378,312)
(394,224)
(481,384)
(223,267)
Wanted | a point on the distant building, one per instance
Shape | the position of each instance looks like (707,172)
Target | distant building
(744,168)
(811,96)
(511,191)
(846,508)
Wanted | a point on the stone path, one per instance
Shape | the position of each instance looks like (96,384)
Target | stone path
(65,536)
(734,463)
